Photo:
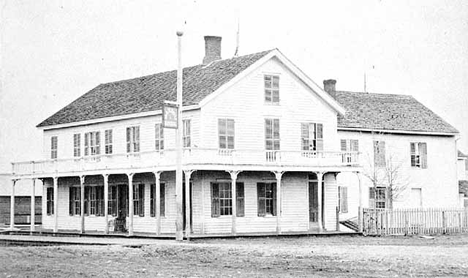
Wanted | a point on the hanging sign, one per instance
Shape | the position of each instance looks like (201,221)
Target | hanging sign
(170,113)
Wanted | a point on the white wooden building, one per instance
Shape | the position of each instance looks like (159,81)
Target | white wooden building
(254,127)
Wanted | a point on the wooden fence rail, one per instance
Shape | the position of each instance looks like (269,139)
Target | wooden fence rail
(423,221)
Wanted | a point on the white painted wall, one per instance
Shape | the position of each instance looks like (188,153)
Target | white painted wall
(438,183)
(244,102)
(461,169)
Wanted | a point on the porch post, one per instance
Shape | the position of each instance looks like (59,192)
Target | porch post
(188,227)
(55,204)
(106,202)
(157,196)
(82,208)
(234,200)
(319,199)
(12,205)
(130,204)
(278,201)
(360,203)
(33,206)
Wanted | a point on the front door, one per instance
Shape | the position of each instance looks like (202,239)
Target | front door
(313,203)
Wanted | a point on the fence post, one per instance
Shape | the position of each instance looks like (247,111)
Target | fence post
(406,224)
(444,224)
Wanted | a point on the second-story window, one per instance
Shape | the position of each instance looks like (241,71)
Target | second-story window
(271,88)
(186,133)
(92,143)
(418,155)
(133,139)
(226,133)
(108,141)
(311,137)
(272,134)
(348,146)
(77,145)
(53,147)
(379,153)
(159,137)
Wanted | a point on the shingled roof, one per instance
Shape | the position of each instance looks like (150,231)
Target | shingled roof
(147,93)
(388,112)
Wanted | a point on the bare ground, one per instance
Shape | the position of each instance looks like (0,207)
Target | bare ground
(345,256)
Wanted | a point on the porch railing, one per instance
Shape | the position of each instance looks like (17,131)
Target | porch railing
(193,156)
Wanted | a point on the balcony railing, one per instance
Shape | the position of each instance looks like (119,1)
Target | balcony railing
(194,156)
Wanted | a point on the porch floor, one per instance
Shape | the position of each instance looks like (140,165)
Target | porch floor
(100,238)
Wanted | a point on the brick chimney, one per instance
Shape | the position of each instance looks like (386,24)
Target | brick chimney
(212,49)
(329,87)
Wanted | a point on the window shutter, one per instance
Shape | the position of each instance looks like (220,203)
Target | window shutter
(273,188)
(319,137)
(152,200)
(371,197)
(162,196)
(141,189)
(70,201)
(86,201)
(343,145)
(355,145)
(423,154)
(128,140)
(86,143)
(137,139)
(98,142)
(261,199)
(214,200)
(240,199)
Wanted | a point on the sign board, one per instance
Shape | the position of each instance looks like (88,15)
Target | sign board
(170,113)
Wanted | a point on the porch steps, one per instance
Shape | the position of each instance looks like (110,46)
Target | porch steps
(351,224)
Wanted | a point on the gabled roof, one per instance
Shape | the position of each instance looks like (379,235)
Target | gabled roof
(461,154)
(147,93)
(368,111)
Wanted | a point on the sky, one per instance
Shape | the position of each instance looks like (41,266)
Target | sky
(52,52)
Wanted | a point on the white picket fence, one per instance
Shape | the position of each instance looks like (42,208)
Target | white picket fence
(422,221)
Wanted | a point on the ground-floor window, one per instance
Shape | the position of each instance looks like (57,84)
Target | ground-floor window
(94,200)
(343,199)
(221,199)
(138,199)
(377,197)
(74,201)
(266,197)
(50,201)
(162,198)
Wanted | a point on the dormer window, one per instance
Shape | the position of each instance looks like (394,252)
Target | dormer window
(271,89)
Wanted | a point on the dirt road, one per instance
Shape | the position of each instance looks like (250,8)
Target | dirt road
(445,256)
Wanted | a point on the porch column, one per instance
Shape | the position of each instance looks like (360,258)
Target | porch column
(82,208)
(319,199)
(106,202)
(55,204)
(157,195)
(278,201)
(188,227)
(12,205)
(33,206)
(130,204)
(360,203)
(234,199)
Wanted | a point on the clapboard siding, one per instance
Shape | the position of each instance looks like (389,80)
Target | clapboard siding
(330,202)
(244,102)
(147,135)
(438,183)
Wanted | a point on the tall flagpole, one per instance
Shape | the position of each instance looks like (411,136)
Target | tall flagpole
(179,132)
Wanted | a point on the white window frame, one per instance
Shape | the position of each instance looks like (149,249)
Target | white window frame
(92,143)
(77,145)
(418,157)
(272,88)
(226,134)
(133,139)
(158,137)
(108,141)
(187,132)
(312,138)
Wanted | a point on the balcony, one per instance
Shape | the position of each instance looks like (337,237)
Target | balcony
(195,158)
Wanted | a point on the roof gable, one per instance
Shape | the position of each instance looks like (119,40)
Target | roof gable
(388,112)
(148,93)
